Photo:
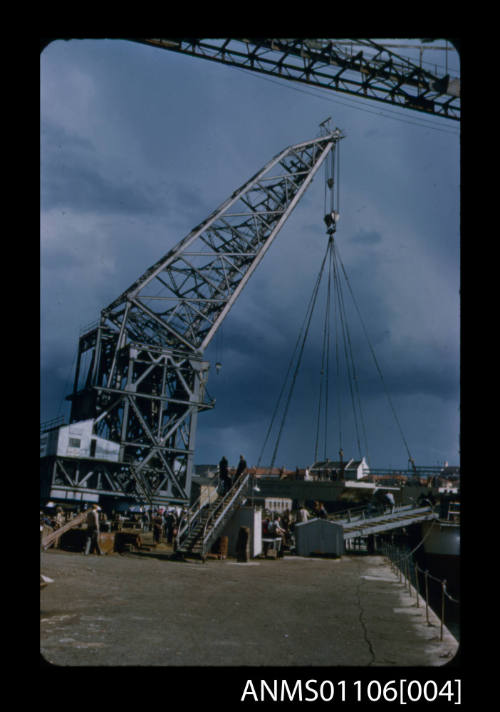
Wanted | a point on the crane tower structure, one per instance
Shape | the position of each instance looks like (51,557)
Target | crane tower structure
(140,377)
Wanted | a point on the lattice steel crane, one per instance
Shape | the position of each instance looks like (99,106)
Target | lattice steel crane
(360,67)
(141,375)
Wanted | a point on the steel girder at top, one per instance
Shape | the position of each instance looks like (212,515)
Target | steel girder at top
(144,382)
(362,68)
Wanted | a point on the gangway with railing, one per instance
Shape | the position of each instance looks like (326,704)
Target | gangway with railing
(204,520)
(396,518)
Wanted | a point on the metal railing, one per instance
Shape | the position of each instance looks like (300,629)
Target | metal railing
(364,511)
(408,569)
(188,520)
(223,507)
(215,518)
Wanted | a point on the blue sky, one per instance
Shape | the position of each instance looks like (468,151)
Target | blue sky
(138,145)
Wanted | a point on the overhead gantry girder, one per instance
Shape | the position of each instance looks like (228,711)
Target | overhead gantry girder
(146,378)
(372,71)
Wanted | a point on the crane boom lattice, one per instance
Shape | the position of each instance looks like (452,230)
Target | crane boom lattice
(361,67)
(140,378)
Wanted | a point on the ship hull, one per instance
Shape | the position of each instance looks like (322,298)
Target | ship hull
(441,538)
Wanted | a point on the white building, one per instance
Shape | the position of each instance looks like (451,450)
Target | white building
(334,470)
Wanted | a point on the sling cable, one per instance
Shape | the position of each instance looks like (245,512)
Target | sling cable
(343,347)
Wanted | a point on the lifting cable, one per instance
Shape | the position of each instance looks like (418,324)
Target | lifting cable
(332,208)
(376,363)
(300,348)
(334,291)
(337,363)
(324,361)
(350,364)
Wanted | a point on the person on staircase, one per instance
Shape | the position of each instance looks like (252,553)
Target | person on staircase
(242,466)
(225,480)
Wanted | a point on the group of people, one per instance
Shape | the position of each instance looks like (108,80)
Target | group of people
(275,526)
(281,526)
(162,522)
(94,521)
(54,519)
(226,479)
(165,523)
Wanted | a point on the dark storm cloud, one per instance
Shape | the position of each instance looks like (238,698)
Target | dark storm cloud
(367,237)
(55,384)
(72,178)
(84,189)
(138,147)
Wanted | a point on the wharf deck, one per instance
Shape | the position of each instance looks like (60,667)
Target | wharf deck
(146,610)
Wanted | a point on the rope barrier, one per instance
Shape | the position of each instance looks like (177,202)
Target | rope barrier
(422,571)
(421,541)
(404,565)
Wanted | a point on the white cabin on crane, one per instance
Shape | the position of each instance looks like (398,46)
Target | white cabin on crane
(78,440)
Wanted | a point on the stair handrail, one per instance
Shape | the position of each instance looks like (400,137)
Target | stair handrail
(188,518)
(220,511)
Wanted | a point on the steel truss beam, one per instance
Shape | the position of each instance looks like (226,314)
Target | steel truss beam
(372,71)
(68,477)
(144,378)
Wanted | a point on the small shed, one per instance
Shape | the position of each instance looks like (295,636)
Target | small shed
(319,536)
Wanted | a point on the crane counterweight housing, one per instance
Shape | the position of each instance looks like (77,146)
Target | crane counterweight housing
(140,375)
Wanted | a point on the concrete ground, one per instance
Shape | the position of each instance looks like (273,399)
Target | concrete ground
(148,610)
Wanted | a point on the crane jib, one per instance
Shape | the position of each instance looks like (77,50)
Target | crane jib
(147,378)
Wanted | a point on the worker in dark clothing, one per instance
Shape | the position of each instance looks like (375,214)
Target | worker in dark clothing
(92,541)
(242,466)
(224,478)
(170,522)
(157,527)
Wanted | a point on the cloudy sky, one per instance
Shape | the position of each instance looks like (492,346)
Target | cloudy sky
(139,145)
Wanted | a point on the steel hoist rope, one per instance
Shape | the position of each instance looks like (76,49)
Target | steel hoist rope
(349,361)
(299,350)
(376,363)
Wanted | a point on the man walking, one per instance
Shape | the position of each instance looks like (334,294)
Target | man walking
(92,542)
